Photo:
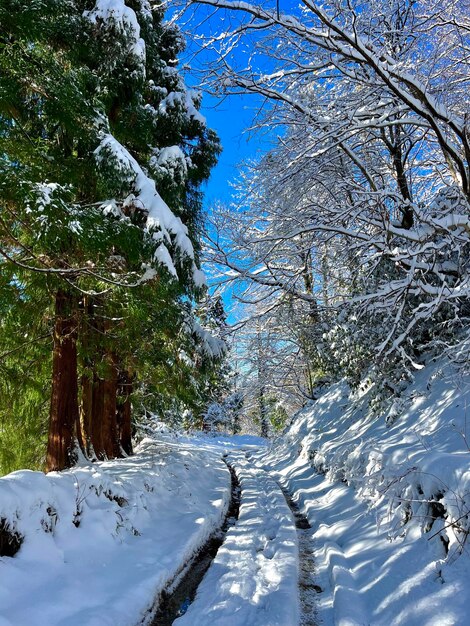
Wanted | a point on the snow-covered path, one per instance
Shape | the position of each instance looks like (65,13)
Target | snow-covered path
(253,580)
(101,542)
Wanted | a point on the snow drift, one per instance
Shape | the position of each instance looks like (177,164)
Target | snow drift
(101,541)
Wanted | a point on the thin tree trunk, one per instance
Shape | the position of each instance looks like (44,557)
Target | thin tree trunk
(80,433)
(109,429)
(263,413)
(263,417)
(97,417)
(124,411)
(64,414)
(86,409)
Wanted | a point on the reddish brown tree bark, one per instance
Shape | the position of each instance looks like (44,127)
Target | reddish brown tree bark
(99,384)
(63,416)
(93,382)
(86,379)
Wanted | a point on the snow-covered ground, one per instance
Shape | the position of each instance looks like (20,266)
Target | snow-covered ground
(388,498)
(253,579)
(102,540)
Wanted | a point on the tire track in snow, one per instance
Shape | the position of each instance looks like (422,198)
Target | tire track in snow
(308,589)
(179,594)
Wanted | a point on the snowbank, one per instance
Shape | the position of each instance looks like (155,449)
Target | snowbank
(102,540)
(388,498)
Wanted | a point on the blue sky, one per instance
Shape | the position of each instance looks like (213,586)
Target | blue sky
(230,118)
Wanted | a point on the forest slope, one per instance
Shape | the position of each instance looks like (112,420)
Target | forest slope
(388,498)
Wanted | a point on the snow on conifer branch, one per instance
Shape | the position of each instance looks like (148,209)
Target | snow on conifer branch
(165,228)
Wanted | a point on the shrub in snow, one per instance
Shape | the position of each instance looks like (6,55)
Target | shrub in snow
(10,539)
(215,417)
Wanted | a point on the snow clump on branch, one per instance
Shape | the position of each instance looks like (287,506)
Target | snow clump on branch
(164,226)
(115,15)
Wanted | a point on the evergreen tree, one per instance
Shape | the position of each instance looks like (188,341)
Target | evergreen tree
(93,113)
(233,406)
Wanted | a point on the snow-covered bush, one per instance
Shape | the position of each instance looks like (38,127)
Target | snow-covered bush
(215,418)
(10,539)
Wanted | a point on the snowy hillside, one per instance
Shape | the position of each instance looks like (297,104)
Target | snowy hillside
(388,498)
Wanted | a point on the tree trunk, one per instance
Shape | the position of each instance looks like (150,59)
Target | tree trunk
(86,380)
(263,417)
(97,417)
(124,411)
(109,431)
(64,414)
(80,433)
(97,383)
(86,409)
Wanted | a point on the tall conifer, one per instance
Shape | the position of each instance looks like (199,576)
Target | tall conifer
(94,118)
